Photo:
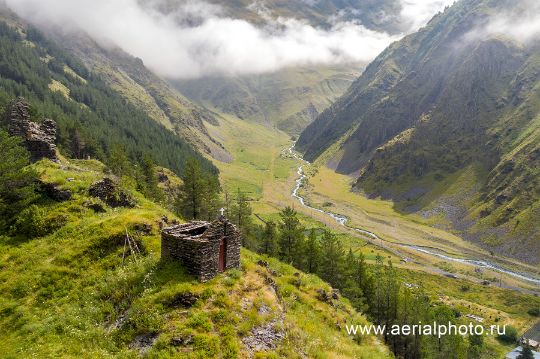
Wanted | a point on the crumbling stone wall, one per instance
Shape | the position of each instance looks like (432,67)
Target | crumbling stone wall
(196,246)
(38,138)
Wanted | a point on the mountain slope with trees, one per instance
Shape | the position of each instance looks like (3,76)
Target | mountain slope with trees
(143,89)
(92,118)
(447,102)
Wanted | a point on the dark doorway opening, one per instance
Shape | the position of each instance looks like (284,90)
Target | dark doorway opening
(222,256)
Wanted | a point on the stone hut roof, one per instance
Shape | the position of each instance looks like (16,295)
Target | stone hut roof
(192,230)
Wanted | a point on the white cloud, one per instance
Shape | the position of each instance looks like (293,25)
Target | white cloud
(521,22)
(417,13)
(197,40)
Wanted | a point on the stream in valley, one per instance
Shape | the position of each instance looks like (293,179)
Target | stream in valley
(432,251)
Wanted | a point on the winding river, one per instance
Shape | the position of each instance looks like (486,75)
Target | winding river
(342,220)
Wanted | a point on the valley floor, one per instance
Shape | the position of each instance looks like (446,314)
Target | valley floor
(263,167)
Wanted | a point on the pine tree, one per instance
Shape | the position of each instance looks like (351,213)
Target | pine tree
(198,196)
(148,182)
(312,252)
(377,310)
(291,236)
(363,277)
(241,211)
(17,182)
(350,287)
(526,353)
(211,200)
(269,239)
(118,162)
(332,259)
(191,195)
(227,203)
(77,144)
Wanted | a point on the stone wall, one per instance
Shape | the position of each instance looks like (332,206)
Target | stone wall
(38,138)
(196,246)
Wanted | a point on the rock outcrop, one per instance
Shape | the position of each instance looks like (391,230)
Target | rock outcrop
(55,193)
(38,138)
(110,193)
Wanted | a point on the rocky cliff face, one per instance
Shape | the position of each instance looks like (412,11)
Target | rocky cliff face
(38,138)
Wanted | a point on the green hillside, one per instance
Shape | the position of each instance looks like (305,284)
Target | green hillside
(92,118)
(438,106)
(67,291)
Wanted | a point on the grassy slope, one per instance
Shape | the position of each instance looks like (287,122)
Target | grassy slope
(258,165)
(67,294)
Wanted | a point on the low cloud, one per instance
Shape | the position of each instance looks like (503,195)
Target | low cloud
(521,22)
(195,39)
(416,13)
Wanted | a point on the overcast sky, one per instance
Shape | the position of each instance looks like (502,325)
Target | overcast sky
(198,40)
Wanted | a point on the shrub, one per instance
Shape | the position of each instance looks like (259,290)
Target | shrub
(199,321)
(206,346)
(31,222)
(534,312)
(510,336)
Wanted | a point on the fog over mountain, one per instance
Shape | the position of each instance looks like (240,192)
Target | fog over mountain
(190,39)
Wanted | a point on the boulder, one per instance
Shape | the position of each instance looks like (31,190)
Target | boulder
(181,340)
(53,192)
(95,206)
(185,300)
(110,193)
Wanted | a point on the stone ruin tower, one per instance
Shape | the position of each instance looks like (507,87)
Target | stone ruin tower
(37,138)
(204,248)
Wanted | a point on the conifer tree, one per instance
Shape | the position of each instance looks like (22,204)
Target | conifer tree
(363,277)
(312,253)
(269,239)
(241,210)
(17,182)
(191,194)
(148,182)
(332,259)
(198,197)
(351,289)
(211,200)
(118,162)
(291,236)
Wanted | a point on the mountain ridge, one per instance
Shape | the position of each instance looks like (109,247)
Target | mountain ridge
(434,103)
